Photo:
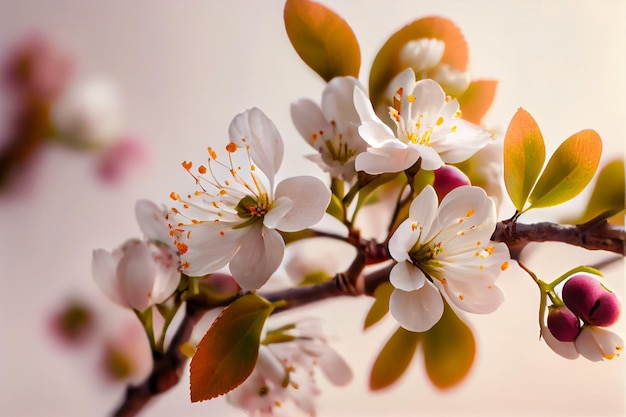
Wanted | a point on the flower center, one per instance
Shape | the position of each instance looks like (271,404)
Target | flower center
(227,191)
(419,130)
(336,148)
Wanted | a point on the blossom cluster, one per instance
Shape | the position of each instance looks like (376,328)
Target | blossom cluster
(577,326)
(285,372)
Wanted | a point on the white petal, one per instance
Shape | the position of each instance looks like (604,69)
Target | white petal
(390,158)
(431,160)
(404,80)
(335,368)
(429,98)
(152,222)
(565,349)
(423,210)
(104,271)
(407,277)
(309,120)
(269,366)
(259,256)
(338,101)
(168,277)
(280,207)
(211,246)
(419,310)
(266,144)
(402,240)
(309,198)
(597,343)
(376,133)
(136,273)
(474,294)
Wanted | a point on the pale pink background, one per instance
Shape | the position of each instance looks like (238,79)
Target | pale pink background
(186,68)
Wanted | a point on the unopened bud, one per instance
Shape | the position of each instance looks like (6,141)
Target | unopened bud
(421,54)
(563,324)
(447,178)
(586,297)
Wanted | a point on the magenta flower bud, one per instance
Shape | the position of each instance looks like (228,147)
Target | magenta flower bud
(586,297)
(447,178)
(563,324)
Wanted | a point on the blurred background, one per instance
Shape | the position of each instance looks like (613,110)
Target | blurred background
(181,71)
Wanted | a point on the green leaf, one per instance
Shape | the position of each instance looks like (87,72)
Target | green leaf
(607,197)
(381,305)
(324,41)
(227,353)
(449,350)
(476,100)
(394,359)
(524,154)
(386,66)
(569,170)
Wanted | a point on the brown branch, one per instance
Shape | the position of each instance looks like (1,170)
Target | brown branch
(592,237)
(167,370)
(169,367)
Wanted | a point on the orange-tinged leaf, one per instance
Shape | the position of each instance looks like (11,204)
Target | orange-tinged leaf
(476,100)
(385,65)
(227,353)
(394,358)
(449,350)
(608,195)
(381,305)
(524,154)
(324,41)
(569,170)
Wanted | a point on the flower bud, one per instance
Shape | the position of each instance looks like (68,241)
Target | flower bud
(137,275)
(587,298)
(421,54)
(447,178)
(563,324)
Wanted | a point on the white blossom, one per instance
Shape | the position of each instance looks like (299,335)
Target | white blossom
(332,128)
(244,209)
(428,127)
(446,248)
(140,273)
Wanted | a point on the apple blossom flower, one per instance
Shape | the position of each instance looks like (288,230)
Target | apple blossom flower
(428,127)
(332,128)
(447,249)
(284,374)
(140,273)
(245,210)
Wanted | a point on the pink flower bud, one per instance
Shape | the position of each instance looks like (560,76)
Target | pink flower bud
(447,178)
(563,324)
(587,298)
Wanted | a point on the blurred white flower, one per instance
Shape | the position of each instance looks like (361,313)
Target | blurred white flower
(446,248)
(245,209)
(283,383)
(421,54)
(428,127)
(90,113)
(332,128)
(140,273)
